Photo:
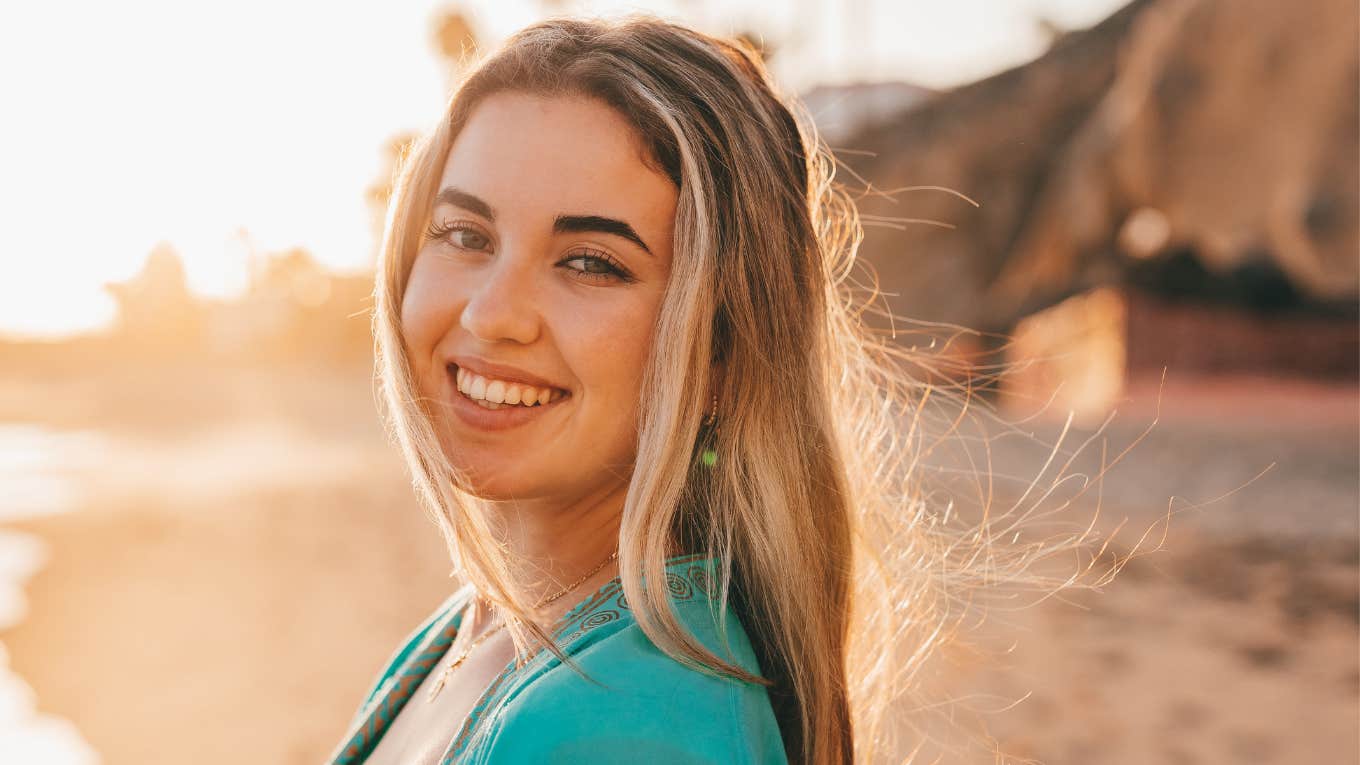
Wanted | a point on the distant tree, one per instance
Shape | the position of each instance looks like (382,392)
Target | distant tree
(157,313)
(292,276)
(454,38)
(454,41)
(380,190)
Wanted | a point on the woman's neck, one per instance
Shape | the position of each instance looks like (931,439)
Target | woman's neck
(555,547)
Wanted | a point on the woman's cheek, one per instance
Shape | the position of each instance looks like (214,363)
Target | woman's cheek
(427,311)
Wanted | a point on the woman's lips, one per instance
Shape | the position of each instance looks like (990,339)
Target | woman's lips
(474,415)
(492,370)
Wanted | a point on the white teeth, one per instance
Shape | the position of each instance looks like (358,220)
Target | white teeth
(495,391)
(493,394)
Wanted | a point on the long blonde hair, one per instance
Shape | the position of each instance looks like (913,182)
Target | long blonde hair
(827,548)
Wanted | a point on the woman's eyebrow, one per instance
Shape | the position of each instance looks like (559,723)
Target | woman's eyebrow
(566,224)
(470,202)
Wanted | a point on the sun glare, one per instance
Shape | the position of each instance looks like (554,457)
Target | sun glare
(255,127)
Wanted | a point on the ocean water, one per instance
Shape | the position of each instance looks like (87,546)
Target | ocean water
(36,468)
(36,465)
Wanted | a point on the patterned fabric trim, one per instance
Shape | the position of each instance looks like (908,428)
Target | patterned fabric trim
(595,618)
(390,695)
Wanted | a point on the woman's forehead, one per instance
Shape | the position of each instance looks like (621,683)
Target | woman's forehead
(553,154)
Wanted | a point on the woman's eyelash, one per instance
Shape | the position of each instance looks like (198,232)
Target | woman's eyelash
(437,230)
(615,270)
(440,231)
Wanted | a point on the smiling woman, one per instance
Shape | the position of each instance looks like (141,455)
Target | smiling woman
(618,350)
(542,268)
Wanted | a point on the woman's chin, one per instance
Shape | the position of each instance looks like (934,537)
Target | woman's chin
(494,483)
(483,473)
(492,493)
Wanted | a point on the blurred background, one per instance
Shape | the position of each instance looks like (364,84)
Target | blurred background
(1147,212)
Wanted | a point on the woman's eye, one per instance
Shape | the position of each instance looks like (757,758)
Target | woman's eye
(593,265)
(469,239)
(594,268)
(459,235)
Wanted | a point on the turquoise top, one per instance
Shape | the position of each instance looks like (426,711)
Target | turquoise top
(638,705)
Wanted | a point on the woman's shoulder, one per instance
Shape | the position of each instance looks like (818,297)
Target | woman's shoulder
(631,701)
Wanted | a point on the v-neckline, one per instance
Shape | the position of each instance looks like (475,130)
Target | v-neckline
(401,684)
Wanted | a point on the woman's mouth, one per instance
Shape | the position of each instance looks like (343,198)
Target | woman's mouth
(487,404)
(493,394)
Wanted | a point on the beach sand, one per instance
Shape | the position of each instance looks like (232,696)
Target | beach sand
(247,552)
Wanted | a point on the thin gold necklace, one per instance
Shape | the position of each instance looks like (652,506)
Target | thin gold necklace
(439,682)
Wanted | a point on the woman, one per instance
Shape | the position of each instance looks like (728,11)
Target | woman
(617,349)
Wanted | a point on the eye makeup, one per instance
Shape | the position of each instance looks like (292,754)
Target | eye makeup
(616,270)
(441,231)
(447,232)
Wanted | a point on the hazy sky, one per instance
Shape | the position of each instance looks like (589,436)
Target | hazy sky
(134,122)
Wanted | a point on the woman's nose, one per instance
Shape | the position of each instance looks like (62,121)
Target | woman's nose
(500,305)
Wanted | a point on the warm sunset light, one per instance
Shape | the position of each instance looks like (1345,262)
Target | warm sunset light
(994,364)
(257,126)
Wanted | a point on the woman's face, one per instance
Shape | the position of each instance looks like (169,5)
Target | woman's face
(540,278)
